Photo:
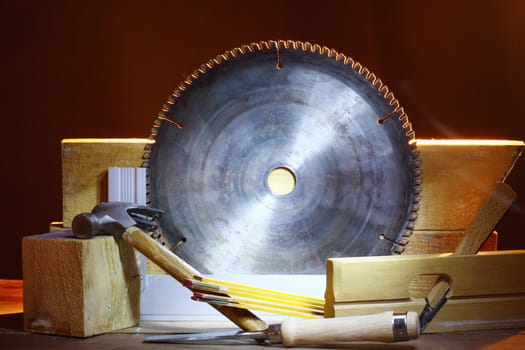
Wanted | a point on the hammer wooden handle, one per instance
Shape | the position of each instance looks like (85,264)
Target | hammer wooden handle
(180,270)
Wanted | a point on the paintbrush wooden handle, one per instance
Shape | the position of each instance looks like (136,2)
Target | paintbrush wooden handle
(385,327)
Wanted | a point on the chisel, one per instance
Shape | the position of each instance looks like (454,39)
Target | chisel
(385,327)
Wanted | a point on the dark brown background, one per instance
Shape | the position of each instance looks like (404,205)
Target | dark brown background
(104,69)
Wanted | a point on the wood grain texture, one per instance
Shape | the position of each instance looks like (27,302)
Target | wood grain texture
(491,212)
(85,163)
(488,290)
(374,327)
(79,287)
(11,300)
(441,241)
(458,177)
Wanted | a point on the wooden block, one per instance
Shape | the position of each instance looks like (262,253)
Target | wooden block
(458,176)
(79,287)
(488,290)
(85,163)
(433,242)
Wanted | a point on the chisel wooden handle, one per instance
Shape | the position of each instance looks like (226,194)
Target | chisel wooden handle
(181,270)
(385,327)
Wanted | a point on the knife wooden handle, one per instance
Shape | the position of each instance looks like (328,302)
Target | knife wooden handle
(181,270)
(385,327)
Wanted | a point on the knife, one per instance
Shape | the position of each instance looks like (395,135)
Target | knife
(384,327)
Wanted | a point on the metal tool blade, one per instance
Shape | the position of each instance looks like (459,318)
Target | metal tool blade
(317,114)
(205,337)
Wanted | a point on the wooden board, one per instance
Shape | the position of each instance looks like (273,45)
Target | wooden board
(458,176)
(442,241)
(79,287)
(11,297)
(85,163)
(488,289)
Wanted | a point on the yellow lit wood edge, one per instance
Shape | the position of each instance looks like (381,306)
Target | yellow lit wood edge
(468,142)
(104,140)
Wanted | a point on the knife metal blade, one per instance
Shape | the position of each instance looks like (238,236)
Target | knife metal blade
(385,327)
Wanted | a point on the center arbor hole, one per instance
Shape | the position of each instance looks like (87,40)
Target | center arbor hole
(281,181)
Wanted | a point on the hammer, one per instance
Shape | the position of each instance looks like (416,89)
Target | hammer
(129,221)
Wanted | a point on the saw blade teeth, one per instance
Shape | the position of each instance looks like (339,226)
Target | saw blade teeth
(407,233)
(340,57)
(266,45)
(248,48)
(202,70)
(283,44)
(357,67)
(307,46)
(378,83)
(293,44)
(236,52)
(373,79)
(349,61)
(366,73)
(384,90)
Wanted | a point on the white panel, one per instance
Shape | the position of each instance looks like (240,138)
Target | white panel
(164,299)
(127,185)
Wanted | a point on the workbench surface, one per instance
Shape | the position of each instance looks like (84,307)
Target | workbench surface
(12,337)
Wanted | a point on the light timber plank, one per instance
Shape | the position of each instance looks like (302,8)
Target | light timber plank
(488,290)
(458,175)
(79,287)
(85,164)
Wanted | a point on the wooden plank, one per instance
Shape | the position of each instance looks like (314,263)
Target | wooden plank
(79,287)
(11,297)
(458,175)
(434,242)
(488,273)
(456,315)
(490,281)
(85,163)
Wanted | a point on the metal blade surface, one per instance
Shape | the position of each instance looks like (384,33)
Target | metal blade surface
(317,115)
(205,337)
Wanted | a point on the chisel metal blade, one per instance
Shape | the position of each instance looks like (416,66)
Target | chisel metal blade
(206,337)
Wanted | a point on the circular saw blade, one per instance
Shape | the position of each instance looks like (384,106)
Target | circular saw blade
(312,115)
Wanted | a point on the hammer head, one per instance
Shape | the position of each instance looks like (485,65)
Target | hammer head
(114,218)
